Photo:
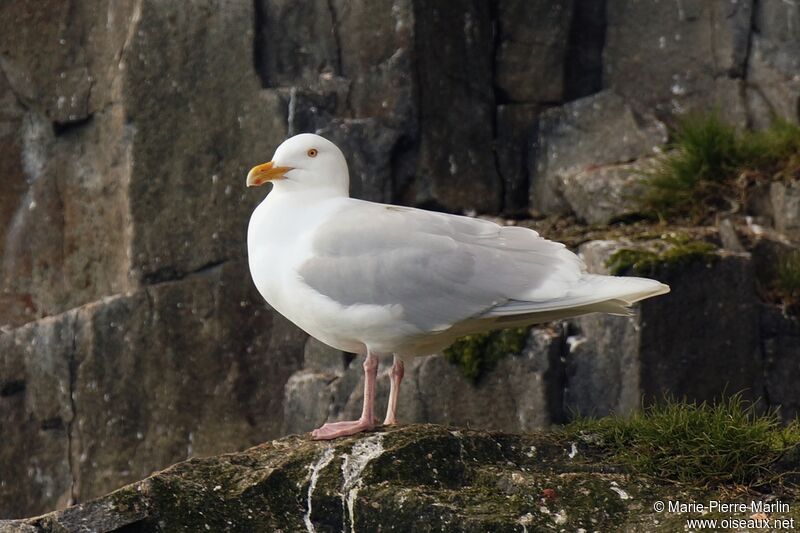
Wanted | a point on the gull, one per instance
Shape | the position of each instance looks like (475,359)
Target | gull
(378,279)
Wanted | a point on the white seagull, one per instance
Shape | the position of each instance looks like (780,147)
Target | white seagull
(379,279)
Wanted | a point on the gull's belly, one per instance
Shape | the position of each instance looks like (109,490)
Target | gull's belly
(351,328)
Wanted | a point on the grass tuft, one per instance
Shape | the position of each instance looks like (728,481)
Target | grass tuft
(476,355)
(708,444)
(700,173)
(695,172)
(773,146)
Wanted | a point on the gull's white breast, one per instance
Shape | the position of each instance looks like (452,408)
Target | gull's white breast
(279,240)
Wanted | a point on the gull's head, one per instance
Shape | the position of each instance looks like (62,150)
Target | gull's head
(304,161)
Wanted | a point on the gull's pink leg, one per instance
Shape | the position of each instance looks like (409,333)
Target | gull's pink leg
(398,369)
(367,421)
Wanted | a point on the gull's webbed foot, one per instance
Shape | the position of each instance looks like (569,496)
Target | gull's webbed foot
(334,430)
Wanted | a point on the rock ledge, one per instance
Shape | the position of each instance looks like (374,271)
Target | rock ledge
(408,478)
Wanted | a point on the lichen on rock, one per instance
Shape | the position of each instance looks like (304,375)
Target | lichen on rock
(407,478)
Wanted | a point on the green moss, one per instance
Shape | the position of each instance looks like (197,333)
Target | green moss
(700,443)
(477,354)
(628,260)
(126,500)
(673,250)
(434,478)
(704,169)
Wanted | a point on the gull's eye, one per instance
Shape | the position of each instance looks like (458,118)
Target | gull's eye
(312,153)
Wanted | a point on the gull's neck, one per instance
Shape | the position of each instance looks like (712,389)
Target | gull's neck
(302,186)
(301,196)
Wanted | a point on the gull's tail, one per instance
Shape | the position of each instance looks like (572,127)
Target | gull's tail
(591,294)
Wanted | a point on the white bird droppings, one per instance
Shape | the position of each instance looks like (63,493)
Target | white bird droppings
(573,450)
(622,494)
(354,464)
(573,341)
(321,463)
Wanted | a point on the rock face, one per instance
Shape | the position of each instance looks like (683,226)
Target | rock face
(673,57)
(781,338)
(596,130)
(772,65)
(123,252)
(600,194)
(515,135)
(130,336)
(35,395)
(615,362)
(105,393)
(785,199)
(124,147)
(456,165)
(469,481)
(534,38)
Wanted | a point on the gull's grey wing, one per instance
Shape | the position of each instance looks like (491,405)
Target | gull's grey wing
(441,269)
